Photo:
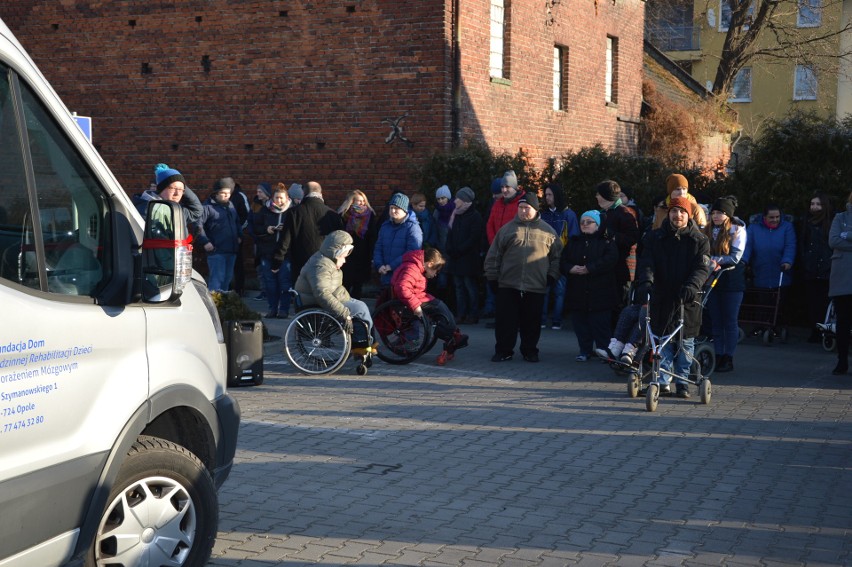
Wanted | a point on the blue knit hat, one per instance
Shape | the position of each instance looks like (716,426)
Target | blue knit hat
(166,176)
(399,200)
(496,185)
(443,191)
(594,215)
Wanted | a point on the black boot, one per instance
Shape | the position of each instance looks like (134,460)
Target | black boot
(842,367)
(724,363)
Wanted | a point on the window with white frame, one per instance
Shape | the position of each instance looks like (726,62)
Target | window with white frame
(725,15)
(498,38)
(560,77)
(804,83)
(741,87)
(810,13)
(611,70)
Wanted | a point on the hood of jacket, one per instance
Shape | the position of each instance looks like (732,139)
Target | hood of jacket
(334,242)
(414,257)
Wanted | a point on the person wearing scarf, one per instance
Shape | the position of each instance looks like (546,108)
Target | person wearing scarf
(815,254)
(359,220)
(266,227)
(618,224)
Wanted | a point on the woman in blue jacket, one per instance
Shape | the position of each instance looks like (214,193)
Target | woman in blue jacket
(397,235)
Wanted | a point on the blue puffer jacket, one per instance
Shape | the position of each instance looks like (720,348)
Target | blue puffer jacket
(768,248)
(559,220)
(394,241)
(219,225)
(427,227)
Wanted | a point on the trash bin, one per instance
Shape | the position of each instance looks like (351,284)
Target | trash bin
(244,342)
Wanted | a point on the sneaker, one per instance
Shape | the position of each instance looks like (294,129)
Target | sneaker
(682,391)
(627,358)
(666,390)
(260,296)
(615,347)
(531,357)
(604,354)
(556,326)
(544,325)
(501,357)
(444,357)
(582,357)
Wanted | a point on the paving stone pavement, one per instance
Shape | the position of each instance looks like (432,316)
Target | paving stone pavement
(522,464)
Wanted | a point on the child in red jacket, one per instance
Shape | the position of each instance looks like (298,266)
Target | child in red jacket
(409,286)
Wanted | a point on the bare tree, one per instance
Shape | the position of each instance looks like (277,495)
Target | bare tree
(766,30)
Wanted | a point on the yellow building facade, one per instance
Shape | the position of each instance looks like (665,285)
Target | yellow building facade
(694,33)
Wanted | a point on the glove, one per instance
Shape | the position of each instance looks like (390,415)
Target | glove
(687,294)
(347,326)
(492,285)
(550,281)
(641,293)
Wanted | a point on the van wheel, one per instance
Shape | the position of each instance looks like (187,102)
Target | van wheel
(163,510)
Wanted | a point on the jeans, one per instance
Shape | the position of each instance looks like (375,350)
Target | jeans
(558,290)
(221,268)
(359,310)
(724,308)
(677,360)
(630,327)
(444,326)
(467,296)
(276,286)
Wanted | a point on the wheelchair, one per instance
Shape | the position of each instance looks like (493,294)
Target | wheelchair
(403,336)
(317,343)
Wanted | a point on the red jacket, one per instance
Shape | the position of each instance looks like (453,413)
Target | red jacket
(501,213)
(409,280)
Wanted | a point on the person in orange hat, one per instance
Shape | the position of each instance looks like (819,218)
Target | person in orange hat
(678,186)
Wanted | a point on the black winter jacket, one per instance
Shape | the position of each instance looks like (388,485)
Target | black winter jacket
(671,260)
(620,226)
(595,291)
(305,227)
(463,244)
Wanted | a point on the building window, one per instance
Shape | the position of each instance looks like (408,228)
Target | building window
(804,83)
(560,77)
(725,15)
(741,88)
(611,70)
(499,60)
(810,13)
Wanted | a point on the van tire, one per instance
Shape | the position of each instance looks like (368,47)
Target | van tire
(185,526)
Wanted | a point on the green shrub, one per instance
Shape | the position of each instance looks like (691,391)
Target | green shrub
(231,308)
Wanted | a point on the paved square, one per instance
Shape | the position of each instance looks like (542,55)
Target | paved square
(516,463)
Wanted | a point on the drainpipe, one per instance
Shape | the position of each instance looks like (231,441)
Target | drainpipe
(455,114)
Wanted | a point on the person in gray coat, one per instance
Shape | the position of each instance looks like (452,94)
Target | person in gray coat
(840,282)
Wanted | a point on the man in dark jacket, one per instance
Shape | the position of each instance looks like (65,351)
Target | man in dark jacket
(676,262)
(219,235)
(465,230)
(304,229)
(618,224)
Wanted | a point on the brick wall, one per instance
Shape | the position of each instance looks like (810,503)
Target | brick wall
(291,91)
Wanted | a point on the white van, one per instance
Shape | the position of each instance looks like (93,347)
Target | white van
(116,428)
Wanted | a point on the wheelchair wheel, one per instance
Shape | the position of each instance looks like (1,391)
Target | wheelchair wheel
(706,357)
(829,342)
(705,391)
(316,343)
(403,335)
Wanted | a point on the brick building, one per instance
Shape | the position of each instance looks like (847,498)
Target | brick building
(348,92)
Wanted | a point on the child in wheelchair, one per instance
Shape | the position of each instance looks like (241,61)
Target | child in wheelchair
(320,283)
(628,334)
(408,284)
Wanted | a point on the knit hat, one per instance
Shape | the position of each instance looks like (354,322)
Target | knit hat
(166,176)
(676,181)
(592,214)
(399,200)
(265,188)
(681,203)
(224,183)
(496,185)
(530,199)
(609,190)
(725,204)
(295,192)
(510,180)
(443,192)
(465,194)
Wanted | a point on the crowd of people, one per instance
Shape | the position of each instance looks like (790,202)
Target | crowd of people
(527,260)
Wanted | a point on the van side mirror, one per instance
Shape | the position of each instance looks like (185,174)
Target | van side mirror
(166,252)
